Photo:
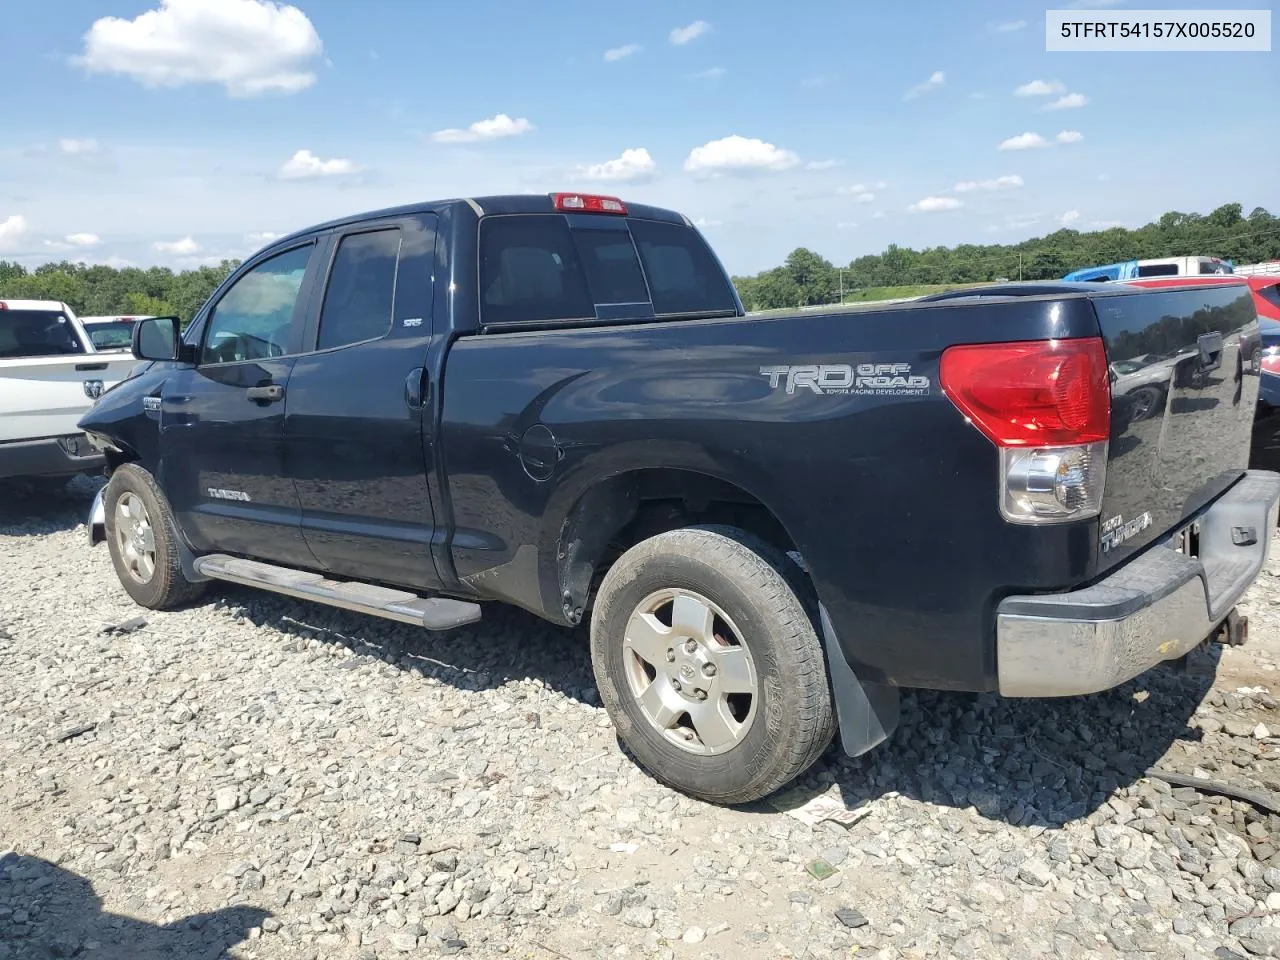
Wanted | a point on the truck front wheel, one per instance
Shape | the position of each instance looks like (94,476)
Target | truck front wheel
(143,540)
(709,664)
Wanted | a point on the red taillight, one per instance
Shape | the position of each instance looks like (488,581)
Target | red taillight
(1032,393)
(588,203)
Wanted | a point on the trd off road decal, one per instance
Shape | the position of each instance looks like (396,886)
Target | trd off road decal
(863,379)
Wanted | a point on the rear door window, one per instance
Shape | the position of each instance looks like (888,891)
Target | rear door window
(1158,270)
(361,290)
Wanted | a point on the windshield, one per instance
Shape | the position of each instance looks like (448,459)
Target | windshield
(115,335)
(37,333)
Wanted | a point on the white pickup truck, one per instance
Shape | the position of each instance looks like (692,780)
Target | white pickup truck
(50,375)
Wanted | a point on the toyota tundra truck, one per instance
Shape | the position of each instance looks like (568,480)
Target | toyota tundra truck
(771,524)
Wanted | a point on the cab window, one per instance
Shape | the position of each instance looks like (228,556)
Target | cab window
(253,320)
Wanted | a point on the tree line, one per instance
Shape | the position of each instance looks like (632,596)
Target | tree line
(101,290)
(804,279)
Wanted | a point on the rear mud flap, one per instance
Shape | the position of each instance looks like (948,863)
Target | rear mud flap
(867,712)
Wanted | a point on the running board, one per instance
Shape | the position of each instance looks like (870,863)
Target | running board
(434,613)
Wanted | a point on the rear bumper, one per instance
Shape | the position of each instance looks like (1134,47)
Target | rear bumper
(50,457)
(1156,607)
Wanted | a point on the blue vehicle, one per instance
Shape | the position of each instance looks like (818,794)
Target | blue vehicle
(1126,270)
(771,524)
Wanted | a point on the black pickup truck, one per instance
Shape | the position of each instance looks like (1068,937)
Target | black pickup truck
(773,523)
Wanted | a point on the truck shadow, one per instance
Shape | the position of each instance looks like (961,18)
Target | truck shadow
(1026,762)
(1031,762)
(30,507)
(48,911)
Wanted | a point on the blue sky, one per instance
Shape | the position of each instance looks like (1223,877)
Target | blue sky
(189,130)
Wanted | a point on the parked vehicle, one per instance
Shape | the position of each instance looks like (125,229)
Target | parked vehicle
(110,333)
(1271,268)
(771,523)
(50,375)
(1164,267)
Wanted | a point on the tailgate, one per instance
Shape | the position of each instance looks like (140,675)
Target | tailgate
(1184,387)
(46,396)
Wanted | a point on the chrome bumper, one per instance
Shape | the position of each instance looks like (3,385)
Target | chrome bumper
(1156,607)
(97,522)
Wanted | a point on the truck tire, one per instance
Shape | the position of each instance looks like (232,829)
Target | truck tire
(143,539)
(709,665)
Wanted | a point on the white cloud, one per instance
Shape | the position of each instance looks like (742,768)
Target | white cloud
(711,73)
(250,47)
(878,215)
(1069,136)
(266,236)
(1039,88)
(84,239)
(998,183)
(936,79)
(1105,224)
(1068,102)
(182,248)
(75,148)
(1023,141)
(846,225)
(935,204)
(738,154)
(634,164)
(495,128)
(1070,217)
(822,164)
(1008,26)
(858,191)
(305,165)
(682,35)
(879,185)
(704,222)
(12,231)
(621,53)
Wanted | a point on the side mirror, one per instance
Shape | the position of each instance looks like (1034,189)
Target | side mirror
(157,338)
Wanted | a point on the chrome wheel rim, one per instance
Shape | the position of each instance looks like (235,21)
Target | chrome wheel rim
(135,537)
(690,672)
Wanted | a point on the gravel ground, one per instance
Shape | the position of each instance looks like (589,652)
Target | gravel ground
(259,777)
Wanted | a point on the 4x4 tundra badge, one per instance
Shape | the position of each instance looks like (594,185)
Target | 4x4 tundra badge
(1116,531)
(864,379)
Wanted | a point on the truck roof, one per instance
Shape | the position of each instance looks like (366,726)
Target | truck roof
(494,205)
(55,305)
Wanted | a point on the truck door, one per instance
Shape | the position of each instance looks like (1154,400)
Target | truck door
(354,423)
(222,421)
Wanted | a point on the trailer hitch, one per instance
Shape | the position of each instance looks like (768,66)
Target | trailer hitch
(1233,631)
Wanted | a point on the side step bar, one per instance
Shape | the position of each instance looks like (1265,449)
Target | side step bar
(434,613)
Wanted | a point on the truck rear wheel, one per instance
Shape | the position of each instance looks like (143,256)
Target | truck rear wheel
(143,539)
(709,664)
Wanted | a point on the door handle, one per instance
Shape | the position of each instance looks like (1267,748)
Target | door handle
(268,394)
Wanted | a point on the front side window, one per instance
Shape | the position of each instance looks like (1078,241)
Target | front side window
(1158,270)
(361,293)
(254,318)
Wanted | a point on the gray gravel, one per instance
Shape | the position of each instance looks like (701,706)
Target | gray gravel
(259,777)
